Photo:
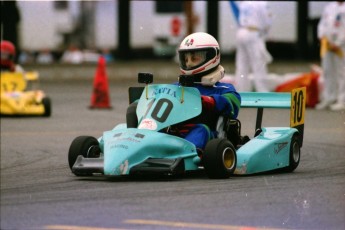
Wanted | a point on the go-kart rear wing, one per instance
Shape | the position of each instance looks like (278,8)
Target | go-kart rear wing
(295,101)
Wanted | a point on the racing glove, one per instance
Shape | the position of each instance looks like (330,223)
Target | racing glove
(208,103)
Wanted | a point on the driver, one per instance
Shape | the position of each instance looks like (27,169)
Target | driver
(199,57)
(8,54)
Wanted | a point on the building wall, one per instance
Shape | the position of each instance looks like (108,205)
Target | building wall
(42,26)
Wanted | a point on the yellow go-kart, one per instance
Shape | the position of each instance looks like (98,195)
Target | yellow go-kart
(18,100)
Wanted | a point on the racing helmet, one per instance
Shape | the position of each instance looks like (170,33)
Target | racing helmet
(8,53)
(198,54)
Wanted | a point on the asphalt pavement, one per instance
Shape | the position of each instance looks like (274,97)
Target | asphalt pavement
(38,190)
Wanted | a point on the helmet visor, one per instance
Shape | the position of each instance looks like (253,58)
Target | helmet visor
(192,59)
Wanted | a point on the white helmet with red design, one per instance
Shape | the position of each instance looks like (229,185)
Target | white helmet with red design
(198,54)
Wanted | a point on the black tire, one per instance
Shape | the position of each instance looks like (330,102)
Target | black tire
(219,159)
(295,154)
(47,106)
(131,116)
(82,145)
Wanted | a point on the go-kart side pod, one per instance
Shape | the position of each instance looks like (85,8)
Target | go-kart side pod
(275,148)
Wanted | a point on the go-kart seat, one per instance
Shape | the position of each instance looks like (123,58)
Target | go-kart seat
(134,94)
(131,115)
(231,129)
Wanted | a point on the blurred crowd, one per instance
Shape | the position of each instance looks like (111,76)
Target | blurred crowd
(72,55)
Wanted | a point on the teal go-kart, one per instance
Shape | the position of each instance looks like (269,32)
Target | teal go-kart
(149,148)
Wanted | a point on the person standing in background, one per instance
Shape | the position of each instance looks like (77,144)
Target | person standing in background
(331,32)
(72,55)
(10,18)
(251,53)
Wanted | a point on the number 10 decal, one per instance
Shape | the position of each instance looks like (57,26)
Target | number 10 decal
(159,115)
(162,109)
(298,101)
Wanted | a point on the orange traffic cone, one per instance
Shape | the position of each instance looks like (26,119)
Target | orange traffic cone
(100,94)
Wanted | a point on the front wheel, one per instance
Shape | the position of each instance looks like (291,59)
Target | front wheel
(219,159)
(86,146)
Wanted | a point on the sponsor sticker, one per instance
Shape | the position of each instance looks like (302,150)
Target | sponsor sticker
(148,124)
(279,146)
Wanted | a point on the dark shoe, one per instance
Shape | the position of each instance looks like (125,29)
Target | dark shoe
(200,152)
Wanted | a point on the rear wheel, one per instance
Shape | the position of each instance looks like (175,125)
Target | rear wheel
(86,146)
(295,154)
(219,159)
(47,106)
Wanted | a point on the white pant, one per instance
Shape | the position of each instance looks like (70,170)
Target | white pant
(251,57)
(334,77)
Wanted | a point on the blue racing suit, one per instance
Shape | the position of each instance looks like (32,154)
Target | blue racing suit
(219,99)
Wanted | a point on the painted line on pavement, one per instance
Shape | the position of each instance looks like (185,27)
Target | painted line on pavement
(68,227)
(192,225)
